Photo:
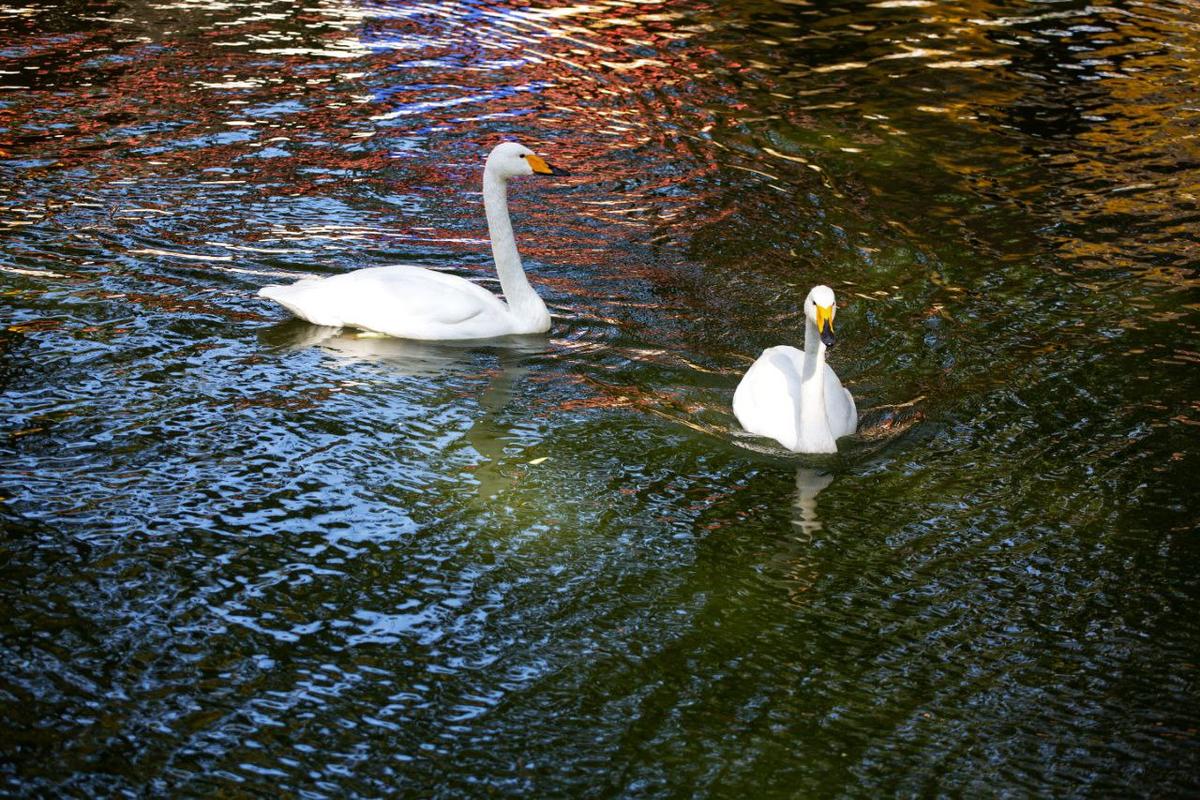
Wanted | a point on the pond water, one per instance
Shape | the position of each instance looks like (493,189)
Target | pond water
(242,556)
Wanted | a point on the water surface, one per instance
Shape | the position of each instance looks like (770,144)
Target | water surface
(241,555)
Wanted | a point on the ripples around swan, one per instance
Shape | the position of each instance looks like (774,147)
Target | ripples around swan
(243,555)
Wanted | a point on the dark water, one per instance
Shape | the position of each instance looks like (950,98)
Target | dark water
(240,559)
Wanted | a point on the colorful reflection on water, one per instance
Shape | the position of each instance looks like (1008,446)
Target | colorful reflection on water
(242,554)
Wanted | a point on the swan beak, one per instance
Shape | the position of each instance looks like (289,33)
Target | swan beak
(540,166)
(825,325)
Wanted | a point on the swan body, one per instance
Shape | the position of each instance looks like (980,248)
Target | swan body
(793,396)
(411,302)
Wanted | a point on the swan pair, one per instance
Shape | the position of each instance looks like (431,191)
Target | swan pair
(789,395)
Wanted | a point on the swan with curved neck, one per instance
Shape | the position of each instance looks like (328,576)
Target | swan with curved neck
(793,396)
(417,303)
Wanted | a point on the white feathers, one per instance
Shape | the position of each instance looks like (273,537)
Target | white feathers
(793,396)
(416,303)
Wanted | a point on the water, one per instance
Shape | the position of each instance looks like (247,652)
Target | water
(243,558)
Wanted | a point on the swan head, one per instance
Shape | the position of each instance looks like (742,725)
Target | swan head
(510,160)
(820,307)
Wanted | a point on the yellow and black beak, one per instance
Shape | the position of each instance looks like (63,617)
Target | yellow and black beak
(540,166)
(825,325)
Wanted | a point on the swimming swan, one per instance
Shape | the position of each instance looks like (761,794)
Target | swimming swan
(416,303)
(793,396)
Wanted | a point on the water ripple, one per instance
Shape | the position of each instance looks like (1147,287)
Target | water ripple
(248,554)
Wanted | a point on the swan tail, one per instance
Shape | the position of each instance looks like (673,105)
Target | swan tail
(292,298)
(279,291)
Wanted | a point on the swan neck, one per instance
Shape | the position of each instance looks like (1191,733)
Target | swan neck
(814,353)
(811,421)
(522,299)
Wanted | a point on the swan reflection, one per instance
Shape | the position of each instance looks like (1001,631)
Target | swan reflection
(406,356)
(809,483)
(508,361)
(800,561)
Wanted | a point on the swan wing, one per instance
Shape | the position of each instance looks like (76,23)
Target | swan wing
(404,301)
(851,414)
(839,406)
(768,397)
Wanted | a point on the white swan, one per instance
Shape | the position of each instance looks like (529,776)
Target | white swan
(793,396)
(416,303)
